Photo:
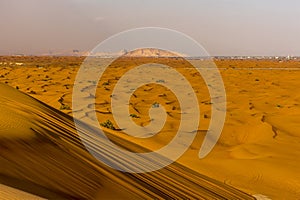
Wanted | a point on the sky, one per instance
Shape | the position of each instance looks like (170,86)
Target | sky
(222,27)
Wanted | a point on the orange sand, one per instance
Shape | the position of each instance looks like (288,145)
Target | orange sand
(258,151)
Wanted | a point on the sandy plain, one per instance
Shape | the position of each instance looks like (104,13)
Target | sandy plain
(257,153)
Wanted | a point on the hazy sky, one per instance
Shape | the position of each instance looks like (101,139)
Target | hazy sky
(223,27)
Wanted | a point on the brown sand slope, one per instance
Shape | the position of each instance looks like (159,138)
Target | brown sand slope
(42,154)
(9,193)
(258,151)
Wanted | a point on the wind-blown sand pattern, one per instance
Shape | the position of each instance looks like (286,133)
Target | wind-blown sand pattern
(40,148)
(258,152)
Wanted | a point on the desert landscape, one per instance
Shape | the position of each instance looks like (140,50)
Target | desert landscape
(149,100)
(257,155)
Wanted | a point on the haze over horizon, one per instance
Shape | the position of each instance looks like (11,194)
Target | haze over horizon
(222,27)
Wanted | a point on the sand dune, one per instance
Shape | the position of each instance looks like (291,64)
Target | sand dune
(9,193)
(42,154)
(258,151)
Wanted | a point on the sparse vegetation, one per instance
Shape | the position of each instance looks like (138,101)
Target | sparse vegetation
(93,82)
(106,83)
(160,81)
(134,116)
(155,105)
(32,92)
(108,124)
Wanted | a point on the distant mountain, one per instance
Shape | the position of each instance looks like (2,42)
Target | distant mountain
(152,52)
(145,52)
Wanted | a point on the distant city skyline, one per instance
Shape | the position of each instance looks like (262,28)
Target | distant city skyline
(222,27)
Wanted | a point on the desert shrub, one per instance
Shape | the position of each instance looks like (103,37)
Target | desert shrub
(155,105)
(134,116)
(106,83)
(108,124)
